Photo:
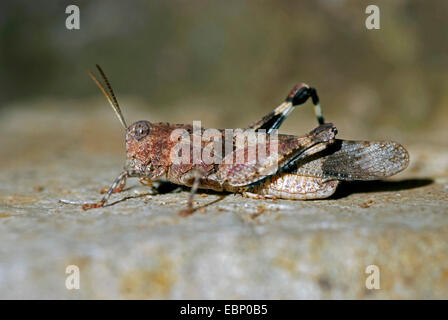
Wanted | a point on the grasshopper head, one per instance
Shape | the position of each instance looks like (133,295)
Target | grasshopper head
(139,146)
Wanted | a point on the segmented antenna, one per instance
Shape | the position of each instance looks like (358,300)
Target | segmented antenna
(112,101)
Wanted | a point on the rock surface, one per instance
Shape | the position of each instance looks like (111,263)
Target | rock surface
(232,248)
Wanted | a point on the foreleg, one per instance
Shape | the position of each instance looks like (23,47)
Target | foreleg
(118,183)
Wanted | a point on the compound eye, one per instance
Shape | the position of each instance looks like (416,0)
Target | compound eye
(141,130)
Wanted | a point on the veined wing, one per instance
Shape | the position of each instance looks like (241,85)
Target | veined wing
(356,160)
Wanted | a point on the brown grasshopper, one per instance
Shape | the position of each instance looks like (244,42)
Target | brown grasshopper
(306,167)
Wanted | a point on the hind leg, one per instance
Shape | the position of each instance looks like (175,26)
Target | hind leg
(298,95)
(293,187)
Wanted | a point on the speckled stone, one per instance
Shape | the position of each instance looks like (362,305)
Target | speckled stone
(233,247)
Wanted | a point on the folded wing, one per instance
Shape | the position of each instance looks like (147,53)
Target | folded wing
(356,160)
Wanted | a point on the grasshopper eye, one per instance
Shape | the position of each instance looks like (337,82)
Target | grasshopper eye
(141,130)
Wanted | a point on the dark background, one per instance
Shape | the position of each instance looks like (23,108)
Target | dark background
(229,62)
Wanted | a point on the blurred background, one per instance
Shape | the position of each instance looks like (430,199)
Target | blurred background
(226,63)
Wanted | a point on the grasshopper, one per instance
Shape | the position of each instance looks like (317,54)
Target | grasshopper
(302,167)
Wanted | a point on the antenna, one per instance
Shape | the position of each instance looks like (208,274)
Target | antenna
(112,101)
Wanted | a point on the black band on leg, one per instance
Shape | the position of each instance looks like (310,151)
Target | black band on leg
(299,96)
(314,96)
(316,102)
